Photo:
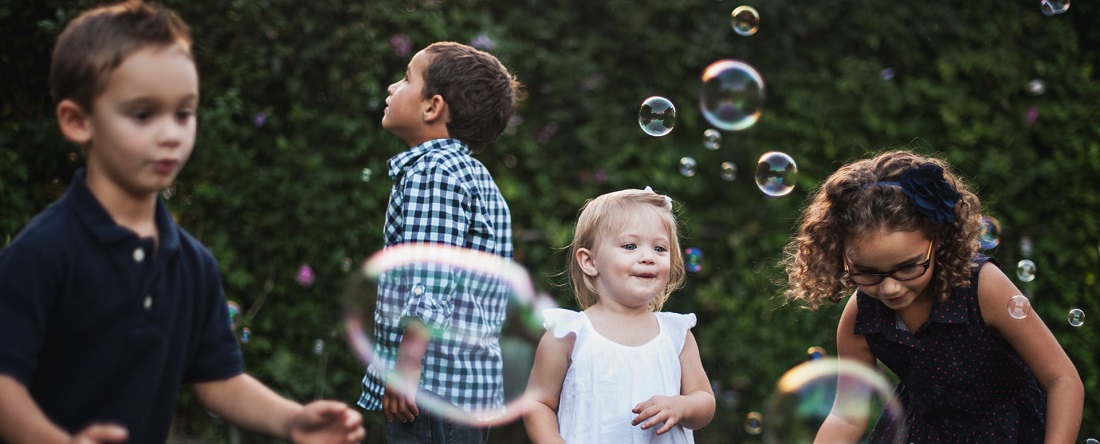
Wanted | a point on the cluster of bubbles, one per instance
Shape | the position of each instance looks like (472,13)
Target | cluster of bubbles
(731,98)
(693,260)
(1052,7)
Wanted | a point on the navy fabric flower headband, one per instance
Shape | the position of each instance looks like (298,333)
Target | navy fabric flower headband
(929,191)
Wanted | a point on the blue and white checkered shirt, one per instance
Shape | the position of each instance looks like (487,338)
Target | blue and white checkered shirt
(442,195)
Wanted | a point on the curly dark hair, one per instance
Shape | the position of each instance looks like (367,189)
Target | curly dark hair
(847,205)
(480,92)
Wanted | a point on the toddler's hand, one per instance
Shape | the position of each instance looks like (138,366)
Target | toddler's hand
(658,409)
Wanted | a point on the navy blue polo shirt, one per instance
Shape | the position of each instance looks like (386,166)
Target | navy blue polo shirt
(102,327)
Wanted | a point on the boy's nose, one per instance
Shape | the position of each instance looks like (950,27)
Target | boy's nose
(171,133)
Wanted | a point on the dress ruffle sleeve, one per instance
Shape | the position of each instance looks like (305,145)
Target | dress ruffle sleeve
(678,325)
(561,322)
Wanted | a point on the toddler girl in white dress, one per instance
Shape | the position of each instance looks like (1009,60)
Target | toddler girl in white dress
(621,371)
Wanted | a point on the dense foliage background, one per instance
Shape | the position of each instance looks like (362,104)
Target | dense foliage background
(293,94)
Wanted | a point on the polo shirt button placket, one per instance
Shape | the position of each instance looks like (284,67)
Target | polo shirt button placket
(139,254)
(148,301)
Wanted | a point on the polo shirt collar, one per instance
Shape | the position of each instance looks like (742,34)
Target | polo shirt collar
(104,228)
(399,163)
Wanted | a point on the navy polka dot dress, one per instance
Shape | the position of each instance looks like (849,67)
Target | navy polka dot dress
(959,381)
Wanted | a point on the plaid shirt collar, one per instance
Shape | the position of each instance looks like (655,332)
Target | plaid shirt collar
(399,163)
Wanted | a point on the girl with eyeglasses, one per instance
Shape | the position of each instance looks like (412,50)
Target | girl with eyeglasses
(899,232)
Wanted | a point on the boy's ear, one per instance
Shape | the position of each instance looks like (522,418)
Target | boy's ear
(587,262)
(436,109)
(74,123)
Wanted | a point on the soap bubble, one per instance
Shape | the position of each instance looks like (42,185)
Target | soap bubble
(732,95)
(776,174)
(754,423)
(816,352)
(1025,270)
(693,260)
(808,393)
(687,166)
(729,171)
(1076,317)
(510,306)
(712,139)
(744,20)
(657,116)
(1019,307)
(991,232)
(1052,7)
(1036,87)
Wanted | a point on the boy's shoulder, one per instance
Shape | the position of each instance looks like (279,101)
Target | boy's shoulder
(444,154)
(46,231)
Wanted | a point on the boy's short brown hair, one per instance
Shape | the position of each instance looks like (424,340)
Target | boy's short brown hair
(99,39)
(479,91)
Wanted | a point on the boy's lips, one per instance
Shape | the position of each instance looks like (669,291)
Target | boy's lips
(166,166)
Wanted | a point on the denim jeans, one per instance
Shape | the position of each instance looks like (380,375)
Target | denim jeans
(428,428)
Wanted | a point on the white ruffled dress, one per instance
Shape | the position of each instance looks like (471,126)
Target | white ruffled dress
(606,380)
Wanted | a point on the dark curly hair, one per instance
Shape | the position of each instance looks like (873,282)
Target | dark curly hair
(846,205)
(480,92)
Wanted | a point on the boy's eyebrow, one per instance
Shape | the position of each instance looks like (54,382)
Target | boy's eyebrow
(145,100)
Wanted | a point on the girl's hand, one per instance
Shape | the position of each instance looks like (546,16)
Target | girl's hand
(658,409)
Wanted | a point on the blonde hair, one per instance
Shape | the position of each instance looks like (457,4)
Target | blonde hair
(608,215)
(848,205)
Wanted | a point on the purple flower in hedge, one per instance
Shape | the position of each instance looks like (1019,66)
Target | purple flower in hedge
(928,190)
(401,44)
(1032,115)
(304,276)
(483,42)
(259,119)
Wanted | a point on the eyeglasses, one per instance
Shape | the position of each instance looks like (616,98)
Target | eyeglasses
(906,273)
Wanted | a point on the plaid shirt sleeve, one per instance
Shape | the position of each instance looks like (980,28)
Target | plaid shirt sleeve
(436,210)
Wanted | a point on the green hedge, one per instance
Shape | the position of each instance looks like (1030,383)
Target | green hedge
(268,198)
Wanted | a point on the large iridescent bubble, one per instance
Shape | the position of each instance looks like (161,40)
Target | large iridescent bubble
(848,390)
(407,271)
(732,95)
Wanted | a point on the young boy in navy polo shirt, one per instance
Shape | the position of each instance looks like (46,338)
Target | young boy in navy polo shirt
(107,306)
(451,103)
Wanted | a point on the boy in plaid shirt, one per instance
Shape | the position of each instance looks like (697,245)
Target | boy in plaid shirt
(452,102)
